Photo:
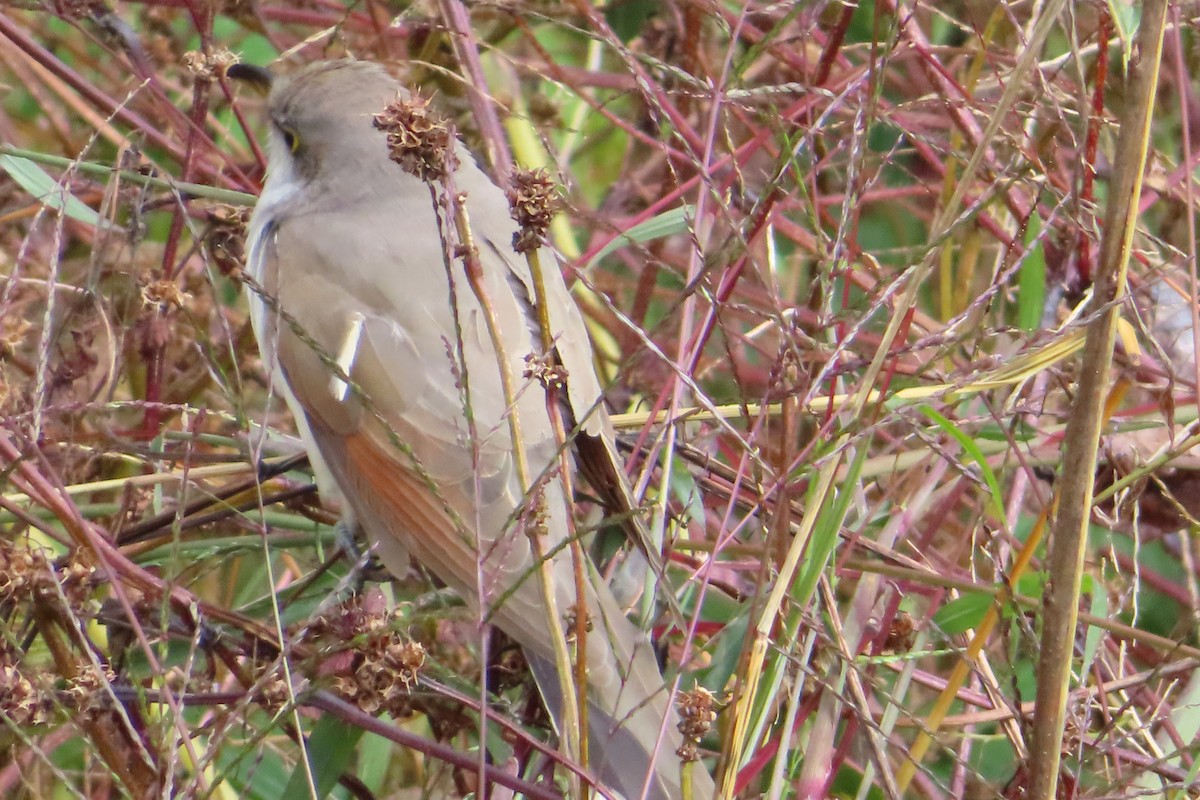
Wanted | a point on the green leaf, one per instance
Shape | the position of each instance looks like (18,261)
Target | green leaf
(726,651)
(375,756)
(685,491)
(1021,431)
(1094,636)
(628,18)
(1126,16)
(1033,584)
(1031,278)
(849,783)
(37,182)
(665,224)
(253,771)
(330,748)
(972,449)
(825,533)
(963,613)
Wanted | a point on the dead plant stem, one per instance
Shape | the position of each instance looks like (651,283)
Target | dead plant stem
(1069,537)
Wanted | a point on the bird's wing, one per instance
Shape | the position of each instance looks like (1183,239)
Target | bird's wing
(595,441)
(494,237)
(399,442)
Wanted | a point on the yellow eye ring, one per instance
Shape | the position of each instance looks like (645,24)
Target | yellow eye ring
(290,139)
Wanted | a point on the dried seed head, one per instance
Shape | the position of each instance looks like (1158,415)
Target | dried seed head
(13,330)
(78,581)
(274,692)
(21,701)
(79,9)
(24,572)
(902,635)
(533,201)
(387,663)
(418,139)
(89,692)
(164,294)
(362,616)
(539,515)
(549,374)
(571,618)
(226,238)
(206,66)
(697,713)
(27,575)
(386,676)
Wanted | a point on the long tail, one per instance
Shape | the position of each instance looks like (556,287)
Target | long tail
(627,703)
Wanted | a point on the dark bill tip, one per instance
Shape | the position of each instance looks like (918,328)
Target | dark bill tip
(258,78)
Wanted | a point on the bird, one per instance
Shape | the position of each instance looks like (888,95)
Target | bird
(395,371)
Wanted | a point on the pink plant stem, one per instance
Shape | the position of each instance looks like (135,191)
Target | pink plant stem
(466,47)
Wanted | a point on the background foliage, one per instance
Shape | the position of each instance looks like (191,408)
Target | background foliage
(843,252)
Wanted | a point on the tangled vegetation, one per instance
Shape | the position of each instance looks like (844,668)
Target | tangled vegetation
(895,304)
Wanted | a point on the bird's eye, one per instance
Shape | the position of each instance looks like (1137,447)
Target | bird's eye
(290,139)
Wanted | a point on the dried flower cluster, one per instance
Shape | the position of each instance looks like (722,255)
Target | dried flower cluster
(548,373)
(697,713)
(80,9)
(27,575)
(386,664)
(538,525)
(226,239)
(164,294)
(206,66)
(89,692)
(384,679)
(78,582)
(24,572)
(13,330)
(274,692)
(533,201)
(21,701)
(418,139)
(571,618)
(902,634)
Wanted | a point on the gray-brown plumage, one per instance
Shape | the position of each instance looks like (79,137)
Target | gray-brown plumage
(347,244)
